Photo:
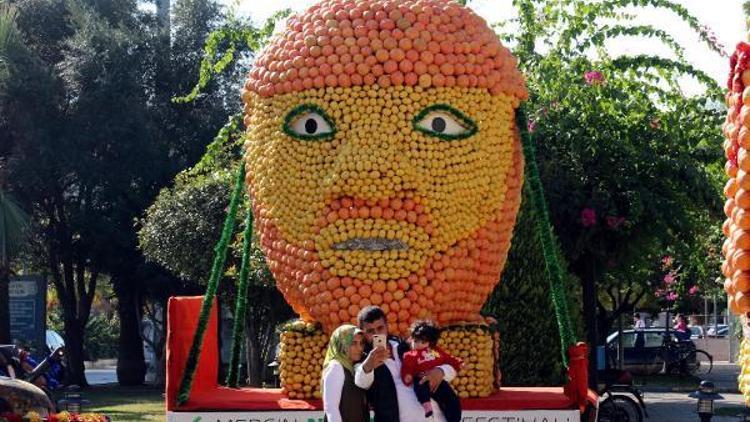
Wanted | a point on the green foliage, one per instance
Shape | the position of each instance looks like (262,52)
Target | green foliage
(14,223)
(102,333)
(546,239)
(217,271)
(529,341)
(91,135)
(631,166)
(9,35)
(225,46)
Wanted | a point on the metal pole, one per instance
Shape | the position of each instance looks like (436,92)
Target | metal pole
(705,312)
(732,340)
(620,348)
(716,318)
(3,231)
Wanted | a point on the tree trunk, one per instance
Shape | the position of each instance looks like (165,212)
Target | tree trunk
(131,366)
(4,305)
(74,331)
(252,346)
(586,270)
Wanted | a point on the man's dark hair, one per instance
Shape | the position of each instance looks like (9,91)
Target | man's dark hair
(369,314)
(637,316)
(426,331)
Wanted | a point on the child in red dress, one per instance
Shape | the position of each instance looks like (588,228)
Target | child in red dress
(424,356)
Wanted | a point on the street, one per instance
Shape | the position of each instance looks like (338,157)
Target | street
(101,376)
(678,407)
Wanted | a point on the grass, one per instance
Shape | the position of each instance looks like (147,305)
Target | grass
(731,410)
(132,404)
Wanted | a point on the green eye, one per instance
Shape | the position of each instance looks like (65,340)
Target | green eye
(308,122)
(444,122)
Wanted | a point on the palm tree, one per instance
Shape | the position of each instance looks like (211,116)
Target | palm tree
(9,35)
(13,225)
(13,221)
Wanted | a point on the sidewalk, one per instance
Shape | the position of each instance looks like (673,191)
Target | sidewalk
(723,375)
(678,407)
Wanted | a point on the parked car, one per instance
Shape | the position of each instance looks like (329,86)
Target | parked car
(720,330)
(643,360)
(696,331)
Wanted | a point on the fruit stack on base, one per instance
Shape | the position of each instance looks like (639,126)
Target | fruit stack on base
(475,345)
(303,347)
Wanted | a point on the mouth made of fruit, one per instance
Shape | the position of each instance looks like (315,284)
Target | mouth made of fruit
(367,248)
(370,244)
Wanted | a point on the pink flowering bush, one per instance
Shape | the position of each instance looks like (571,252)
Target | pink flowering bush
(593,77)
(588,217)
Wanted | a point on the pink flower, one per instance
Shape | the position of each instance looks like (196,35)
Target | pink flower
(693,290)
(667,261)
(593,77)
(588,217)
(531,126)
(672,296)
(613,222)
(670,278)
(658,293)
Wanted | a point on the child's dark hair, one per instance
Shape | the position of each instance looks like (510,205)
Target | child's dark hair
(425,330)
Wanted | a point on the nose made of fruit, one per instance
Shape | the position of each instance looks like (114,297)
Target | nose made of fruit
(383,160)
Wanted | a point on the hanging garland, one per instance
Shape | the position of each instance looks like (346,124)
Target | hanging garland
(220,254)
(546,237)
(241,308)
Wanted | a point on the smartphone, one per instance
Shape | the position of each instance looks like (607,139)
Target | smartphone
(378,340)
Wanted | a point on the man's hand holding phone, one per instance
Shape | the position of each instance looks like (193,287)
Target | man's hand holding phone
(377,355)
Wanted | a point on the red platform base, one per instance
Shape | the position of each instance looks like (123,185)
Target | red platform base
(271,399)
(211,402)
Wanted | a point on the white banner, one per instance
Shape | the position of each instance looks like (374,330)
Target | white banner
(317,416)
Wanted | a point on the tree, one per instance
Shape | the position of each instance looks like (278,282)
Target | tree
(630,164)
(13,220)
(522,304)
(13,225)
(90,121)
(192,213)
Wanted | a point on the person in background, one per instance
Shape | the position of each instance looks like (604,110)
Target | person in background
(681,328)
(639,326)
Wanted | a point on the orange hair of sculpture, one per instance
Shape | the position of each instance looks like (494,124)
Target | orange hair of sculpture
(427,43)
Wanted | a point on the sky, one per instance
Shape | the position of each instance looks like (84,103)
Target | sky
(724,17)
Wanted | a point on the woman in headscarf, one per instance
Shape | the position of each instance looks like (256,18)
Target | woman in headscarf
(343,401)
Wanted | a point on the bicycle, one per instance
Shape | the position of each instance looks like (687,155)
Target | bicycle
(685,358)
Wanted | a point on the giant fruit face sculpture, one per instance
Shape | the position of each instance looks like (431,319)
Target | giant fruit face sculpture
(383,159)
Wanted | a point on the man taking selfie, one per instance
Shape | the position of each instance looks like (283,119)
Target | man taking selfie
(380,373)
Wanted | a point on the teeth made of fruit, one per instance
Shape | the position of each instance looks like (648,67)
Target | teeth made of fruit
(383,160)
